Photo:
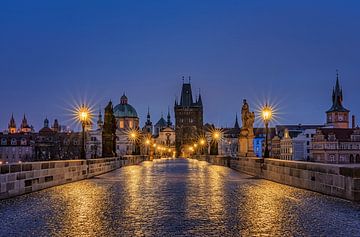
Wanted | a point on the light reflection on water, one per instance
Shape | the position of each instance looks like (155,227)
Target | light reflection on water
(177,197)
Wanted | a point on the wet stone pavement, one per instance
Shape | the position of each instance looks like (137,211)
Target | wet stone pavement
(177,198)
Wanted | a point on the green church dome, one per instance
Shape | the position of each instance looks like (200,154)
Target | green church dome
(124,109)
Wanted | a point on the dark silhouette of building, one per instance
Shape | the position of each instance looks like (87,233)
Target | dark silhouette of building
(109,132)
(188,118)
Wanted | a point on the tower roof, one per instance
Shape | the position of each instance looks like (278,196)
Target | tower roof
(12,123)
(186,99)
(337,98)
(186,95)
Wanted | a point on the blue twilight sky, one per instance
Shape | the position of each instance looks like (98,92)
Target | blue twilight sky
(54,53)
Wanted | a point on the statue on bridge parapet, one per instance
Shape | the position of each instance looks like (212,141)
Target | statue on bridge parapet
(246,138)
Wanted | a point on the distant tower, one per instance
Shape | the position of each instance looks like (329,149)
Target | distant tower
(56,126)
(188,118)
(168,122)
(337,115)
(100,122)
(148,128)
(109,132)
(236,123)
(12,125)
(46,123)
(25,128)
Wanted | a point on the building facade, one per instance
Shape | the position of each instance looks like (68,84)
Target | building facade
(336,146)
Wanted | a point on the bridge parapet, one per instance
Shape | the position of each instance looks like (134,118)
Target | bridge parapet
(17,179)
(339,180)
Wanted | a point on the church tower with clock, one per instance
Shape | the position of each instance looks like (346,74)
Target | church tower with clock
(337,116)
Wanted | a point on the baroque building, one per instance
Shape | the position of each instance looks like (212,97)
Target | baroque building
(188,118)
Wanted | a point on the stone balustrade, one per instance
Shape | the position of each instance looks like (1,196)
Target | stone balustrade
(332,179)
(21,178)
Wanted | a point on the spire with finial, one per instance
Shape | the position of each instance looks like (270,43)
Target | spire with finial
(12,124)
(236,122)
(199,102)
(46,123)
(24,123)
(148,118)
(169,118)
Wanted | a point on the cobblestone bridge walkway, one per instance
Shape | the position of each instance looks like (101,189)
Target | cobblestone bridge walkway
(177,198)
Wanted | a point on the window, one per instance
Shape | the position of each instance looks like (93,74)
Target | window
(4,141)
(23,141)
(13,142)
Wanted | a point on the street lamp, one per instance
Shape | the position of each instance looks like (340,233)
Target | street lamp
(134,136)
(216,137)
(84,116)
(266,114)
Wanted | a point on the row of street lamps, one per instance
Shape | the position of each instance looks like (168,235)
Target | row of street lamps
(84,116)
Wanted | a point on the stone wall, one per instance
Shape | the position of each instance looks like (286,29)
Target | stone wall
(332,179)
(17,179)
(336,180)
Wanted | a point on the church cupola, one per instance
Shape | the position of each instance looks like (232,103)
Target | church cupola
(12,125)
(337,115)
(123,100)
(46,123)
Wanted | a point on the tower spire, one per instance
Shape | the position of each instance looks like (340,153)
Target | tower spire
(169,118)
(236,122)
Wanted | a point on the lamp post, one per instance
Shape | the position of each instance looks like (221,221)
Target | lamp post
(266,114)
(202,143)
(216,137)
(84,117)
(134,136)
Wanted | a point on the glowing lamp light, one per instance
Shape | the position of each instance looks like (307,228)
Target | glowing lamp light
(266,113)
(83,114)
(202,142)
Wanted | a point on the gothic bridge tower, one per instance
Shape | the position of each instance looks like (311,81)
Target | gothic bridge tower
(188,118)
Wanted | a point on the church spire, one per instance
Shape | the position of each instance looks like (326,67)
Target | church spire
(199,102)
(148,118)
(337,97)
(169,118)
(12,124)
(236,122)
